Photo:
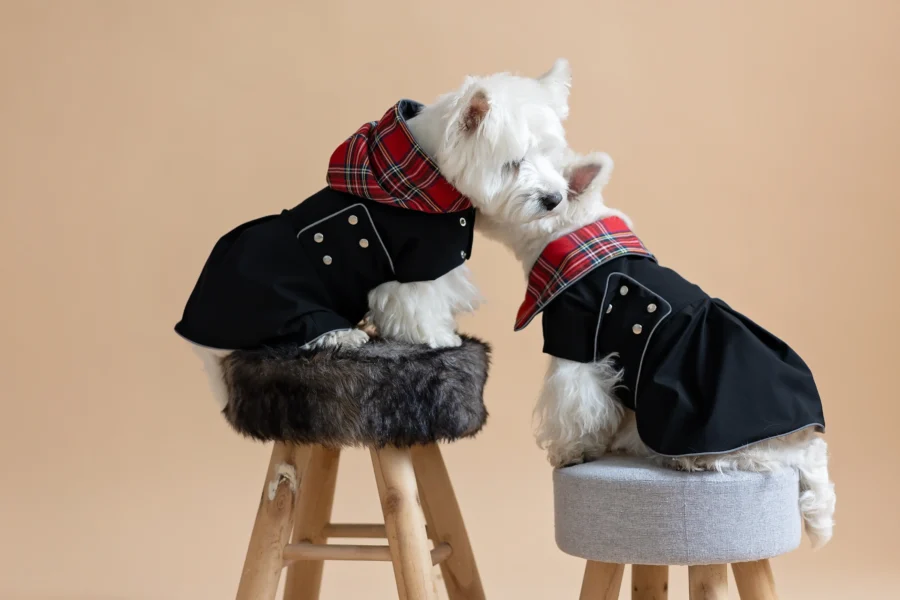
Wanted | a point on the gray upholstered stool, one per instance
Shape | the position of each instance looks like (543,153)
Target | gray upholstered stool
(621,510)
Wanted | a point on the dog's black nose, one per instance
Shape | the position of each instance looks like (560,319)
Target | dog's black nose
(551,201)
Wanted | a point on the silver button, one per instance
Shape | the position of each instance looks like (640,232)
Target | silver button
(352,220)
(326,259)
(364,243)
(319,238)
(609,309)
(463,254)
(462,222)
(637,329)
(623,290)
(651,308)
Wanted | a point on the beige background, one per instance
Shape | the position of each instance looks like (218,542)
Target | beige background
(756,144)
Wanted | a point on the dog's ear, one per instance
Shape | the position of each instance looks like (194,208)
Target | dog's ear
(475,111)
(559,80)
(590,171)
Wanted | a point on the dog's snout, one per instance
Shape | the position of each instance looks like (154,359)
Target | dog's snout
(551,201)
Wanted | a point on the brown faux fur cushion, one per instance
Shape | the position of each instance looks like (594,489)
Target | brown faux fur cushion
(382,393)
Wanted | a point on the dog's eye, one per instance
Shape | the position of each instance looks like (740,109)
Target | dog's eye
(513,165)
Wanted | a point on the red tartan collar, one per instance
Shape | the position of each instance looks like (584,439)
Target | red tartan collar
(569,258)
(383,162)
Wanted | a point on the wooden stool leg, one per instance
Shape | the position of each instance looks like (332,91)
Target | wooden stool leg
(708,582)
(274,519)
(405,523)
(601,581)
(446,523)
(754,580)
(649,582)
(304,577)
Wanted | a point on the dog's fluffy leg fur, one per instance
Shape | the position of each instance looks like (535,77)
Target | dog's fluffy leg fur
(424,312)
(817,497)
(577,413)
(212,366)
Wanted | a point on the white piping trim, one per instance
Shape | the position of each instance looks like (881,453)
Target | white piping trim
(603,305)
(371,221)
(637,381)
(771,437)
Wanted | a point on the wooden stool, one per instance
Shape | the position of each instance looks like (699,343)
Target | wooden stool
(620,510)
(415,490)
(312,404)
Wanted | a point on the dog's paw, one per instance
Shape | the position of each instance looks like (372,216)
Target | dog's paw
(348,338)
(560,458)
(595,453)
(443,339)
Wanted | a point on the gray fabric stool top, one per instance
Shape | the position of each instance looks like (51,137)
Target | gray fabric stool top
(626,510)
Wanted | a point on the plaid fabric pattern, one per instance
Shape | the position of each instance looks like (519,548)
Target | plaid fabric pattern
(569,258)
(383,162)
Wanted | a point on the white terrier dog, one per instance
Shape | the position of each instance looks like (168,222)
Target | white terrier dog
(716,392)
(495,144)
(499,140)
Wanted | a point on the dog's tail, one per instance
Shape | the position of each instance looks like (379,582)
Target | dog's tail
(817,496)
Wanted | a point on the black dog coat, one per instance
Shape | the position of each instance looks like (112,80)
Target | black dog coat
(701,377)
(386,215)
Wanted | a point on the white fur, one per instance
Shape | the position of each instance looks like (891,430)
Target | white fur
(514,155)
(522,124)
(424,312)
(212,366)
(578,417)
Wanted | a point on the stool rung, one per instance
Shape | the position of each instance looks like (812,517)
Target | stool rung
(440,553)
(307,551)
(359,531)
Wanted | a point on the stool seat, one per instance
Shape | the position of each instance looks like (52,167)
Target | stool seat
(627,510)
(381,393)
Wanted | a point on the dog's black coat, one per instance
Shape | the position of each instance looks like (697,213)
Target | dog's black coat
(701,377)
(266,281)
(382,393)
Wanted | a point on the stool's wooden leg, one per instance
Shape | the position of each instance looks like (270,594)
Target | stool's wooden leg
(601,581)
(405,523)
(649,582)
(304,577)
(755,580)
(446,524)
(274,518)
(708,582)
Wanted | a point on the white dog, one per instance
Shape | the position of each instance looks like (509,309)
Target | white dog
(496,143)
(500,141)
(603,299)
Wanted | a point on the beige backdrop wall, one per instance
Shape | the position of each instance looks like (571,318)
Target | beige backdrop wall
(756,144)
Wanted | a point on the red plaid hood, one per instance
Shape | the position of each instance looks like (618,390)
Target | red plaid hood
(569,258)
(383,162)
